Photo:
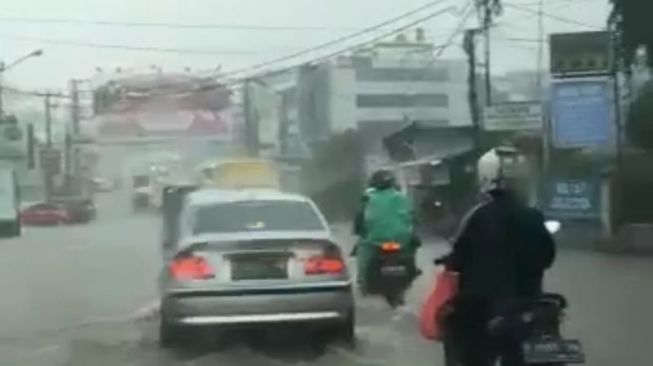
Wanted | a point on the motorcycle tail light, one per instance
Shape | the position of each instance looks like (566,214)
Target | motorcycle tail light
(390,247)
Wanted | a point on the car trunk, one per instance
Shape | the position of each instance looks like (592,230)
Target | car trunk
(264,264)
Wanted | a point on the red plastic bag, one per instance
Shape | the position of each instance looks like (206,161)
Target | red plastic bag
(446,286)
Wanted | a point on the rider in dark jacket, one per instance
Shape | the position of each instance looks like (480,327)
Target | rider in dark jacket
(500,254)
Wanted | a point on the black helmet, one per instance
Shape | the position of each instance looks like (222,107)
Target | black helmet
(383,179)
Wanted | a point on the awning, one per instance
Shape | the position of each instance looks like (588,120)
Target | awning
(417,142)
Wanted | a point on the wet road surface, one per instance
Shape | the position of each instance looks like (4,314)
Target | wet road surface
(81,295)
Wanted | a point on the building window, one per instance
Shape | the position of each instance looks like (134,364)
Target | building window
(401,74)
(401,100)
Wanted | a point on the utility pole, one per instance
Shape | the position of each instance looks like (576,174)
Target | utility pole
(469,46)
(619,127)
(540,44)
(70,161)
(74,106)
(48,120)
(48,174)
(487,23)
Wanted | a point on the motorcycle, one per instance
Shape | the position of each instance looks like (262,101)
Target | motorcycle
(390,273)
(533,323)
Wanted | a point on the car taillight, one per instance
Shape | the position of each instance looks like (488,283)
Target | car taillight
(323,265)
(191,268)
(390,247)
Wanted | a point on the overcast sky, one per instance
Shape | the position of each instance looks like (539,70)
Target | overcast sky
(235,48)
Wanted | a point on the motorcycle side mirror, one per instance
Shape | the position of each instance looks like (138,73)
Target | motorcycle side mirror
(552,226)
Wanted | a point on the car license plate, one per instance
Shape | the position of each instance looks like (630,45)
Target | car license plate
(259,268)
(393,271)
(540,351)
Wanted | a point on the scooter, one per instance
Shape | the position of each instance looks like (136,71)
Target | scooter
(390,273)
(534,323)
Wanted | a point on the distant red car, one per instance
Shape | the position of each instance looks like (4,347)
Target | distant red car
(45,214)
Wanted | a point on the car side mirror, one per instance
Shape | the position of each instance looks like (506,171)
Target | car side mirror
(552,226)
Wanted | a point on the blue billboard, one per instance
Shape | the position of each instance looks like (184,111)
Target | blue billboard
(567,198)
(581,113)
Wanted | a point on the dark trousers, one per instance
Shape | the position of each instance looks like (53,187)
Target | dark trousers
(467,330)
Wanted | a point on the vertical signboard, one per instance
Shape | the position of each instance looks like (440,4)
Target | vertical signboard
(581,112)
(567,198)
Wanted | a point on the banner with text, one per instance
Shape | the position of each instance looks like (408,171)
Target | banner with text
(581,113)
(571,198)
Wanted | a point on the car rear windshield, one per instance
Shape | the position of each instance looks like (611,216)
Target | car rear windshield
(257,216)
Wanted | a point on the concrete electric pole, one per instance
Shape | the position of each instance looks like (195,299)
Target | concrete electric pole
(74,106)
(487,24)
(469,46)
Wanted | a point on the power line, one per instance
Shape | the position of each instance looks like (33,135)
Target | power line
(347,49)
(177,26)
(33,93)
(173,25)
(563,4)
(77,43)
(526,40)
(325,45)
(459,29)
(344,38)
(552,16)
(319,47)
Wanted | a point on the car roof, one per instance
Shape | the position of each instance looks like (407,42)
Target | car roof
(209,196)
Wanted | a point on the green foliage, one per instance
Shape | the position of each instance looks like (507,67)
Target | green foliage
(639,123)
(632,19)
(333,177)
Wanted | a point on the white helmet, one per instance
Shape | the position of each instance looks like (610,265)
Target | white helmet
(498,165)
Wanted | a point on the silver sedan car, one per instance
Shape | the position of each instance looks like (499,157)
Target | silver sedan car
(254,258)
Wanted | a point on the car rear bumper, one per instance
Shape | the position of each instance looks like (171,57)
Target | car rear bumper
(260,318)
(223,308)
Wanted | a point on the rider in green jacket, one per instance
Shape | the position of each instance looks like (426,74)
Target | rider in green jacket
(387,216)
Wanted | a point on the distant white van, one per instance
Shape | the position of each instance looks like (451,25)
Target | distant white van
(9,204)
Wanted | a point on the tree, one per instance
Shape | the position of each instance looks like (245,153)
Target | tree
(333,177)
(632,21)
(639,124)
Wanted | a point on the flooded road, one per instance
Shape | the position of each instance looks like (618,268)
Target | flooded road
(83,295)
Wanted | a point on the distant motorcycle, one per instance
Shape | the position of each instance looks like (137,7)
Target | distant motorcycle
(390,273)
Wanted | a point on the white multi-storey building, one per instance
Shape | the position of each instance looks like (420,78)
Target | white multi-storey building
(398,82)
(379,91)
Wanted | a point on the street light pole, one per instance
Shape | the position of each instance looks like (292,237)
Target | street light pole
(4,67)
